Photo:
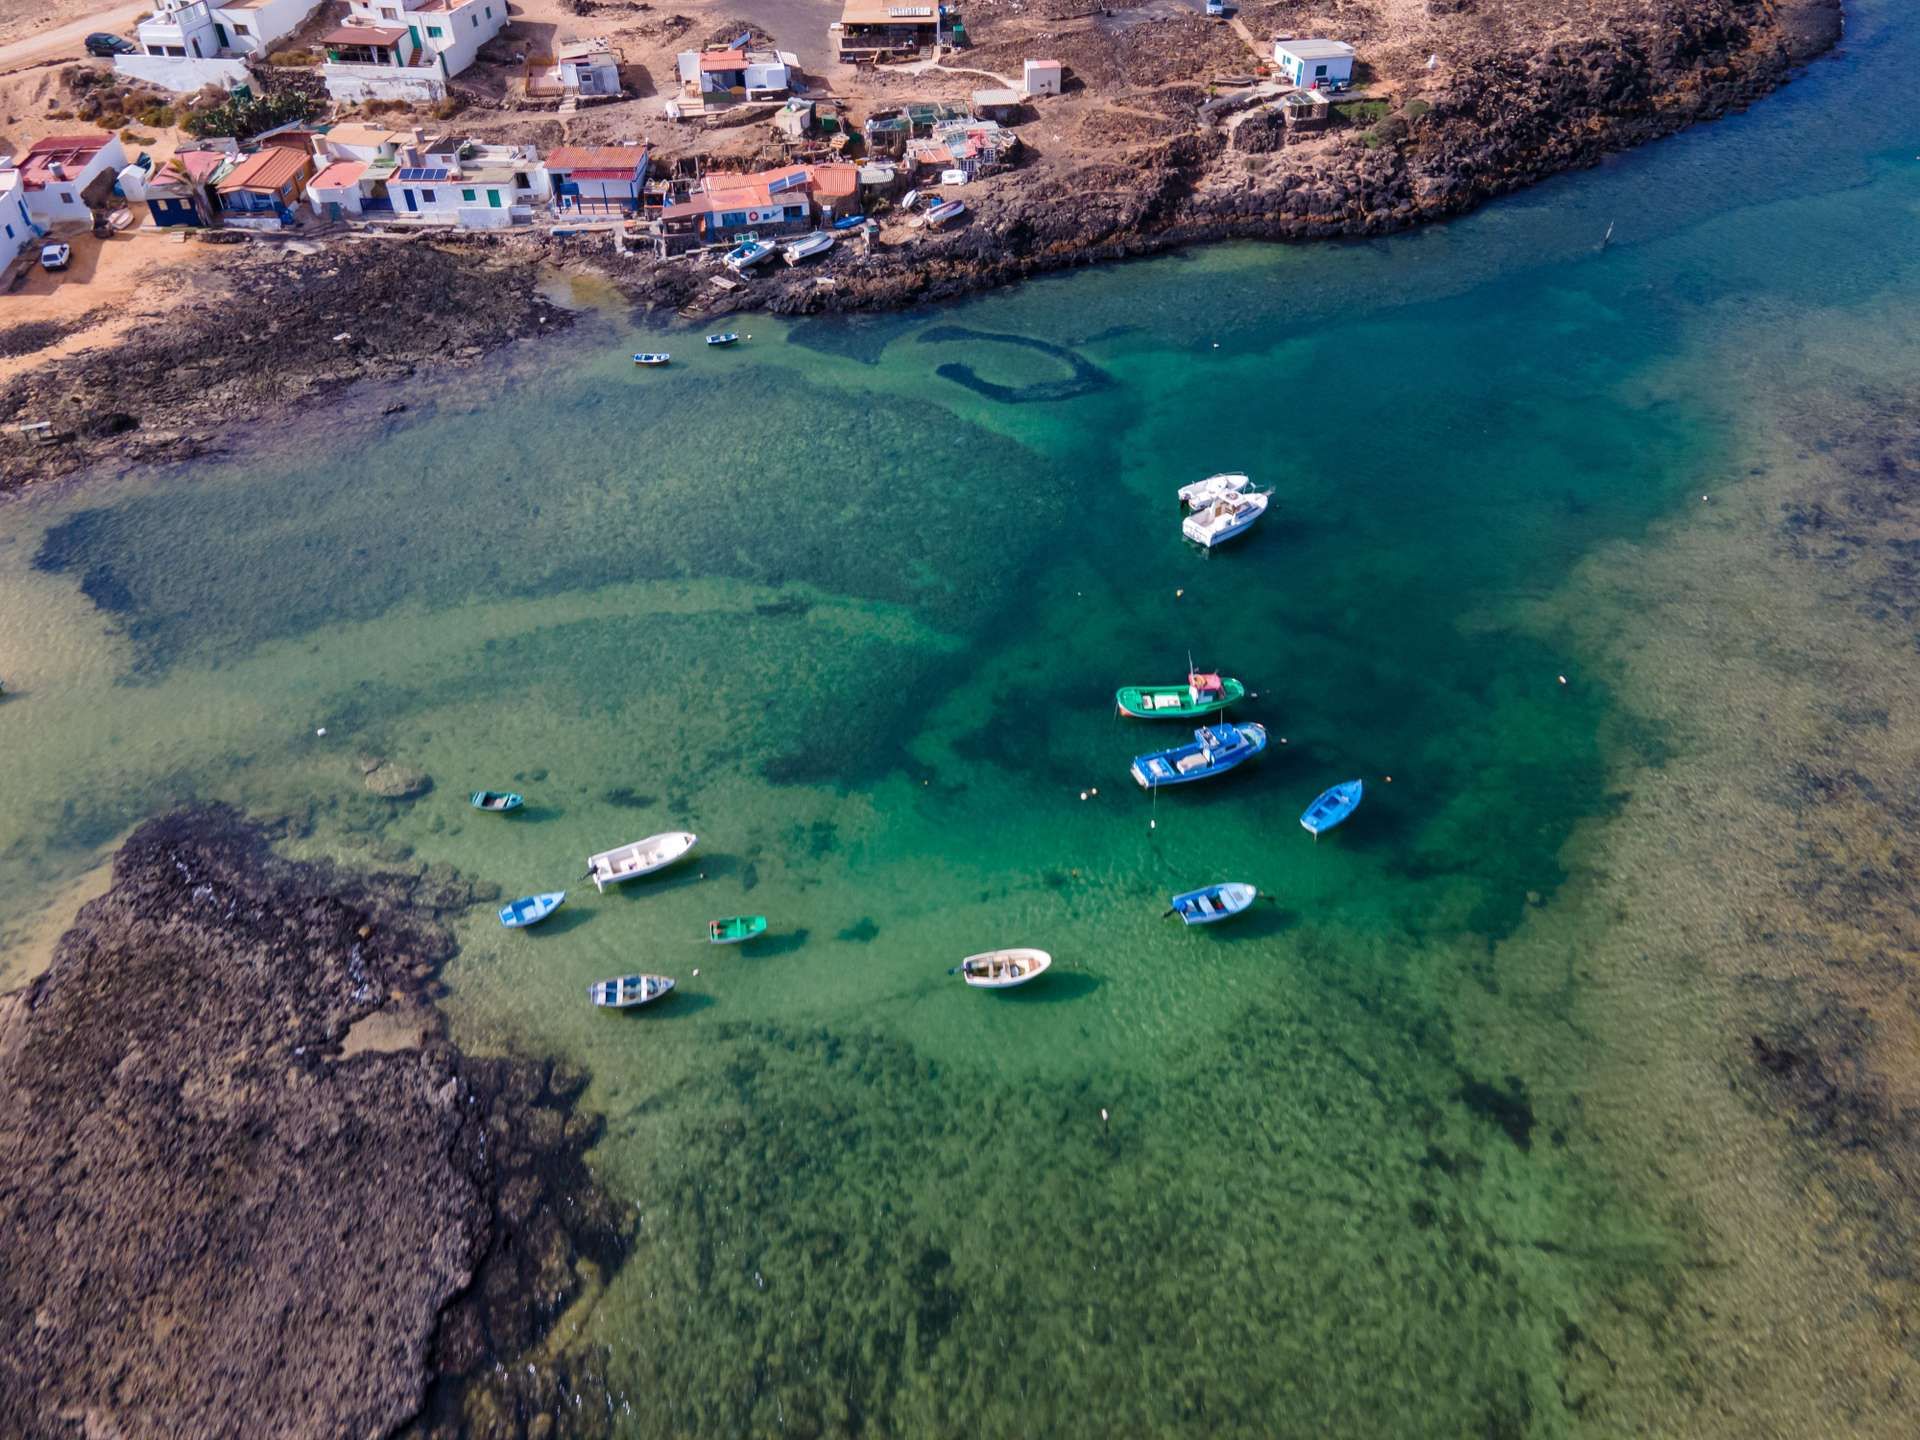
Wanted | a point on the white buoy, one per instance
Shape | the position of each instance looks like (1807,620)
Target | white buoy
(321,731)
(1094,791)
(1563,679)
(1103,1114)
(1083,794)
(696,972)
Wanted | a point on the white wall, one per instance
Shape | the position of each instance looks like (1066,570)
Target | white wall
(60,201)
(170,72)
(468,28)
(352,84)
(16,229)
(265,24)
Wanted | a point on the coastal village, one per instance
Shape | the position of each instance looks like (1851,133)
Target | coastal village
(726,152)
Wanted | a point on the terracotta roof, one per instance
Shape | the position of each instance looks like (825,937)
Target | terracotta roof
(723,60)
(624,158)
(354,133)
(377,35)
(198,165)
(72,153)
(339,175)
(267,170)
(834,181)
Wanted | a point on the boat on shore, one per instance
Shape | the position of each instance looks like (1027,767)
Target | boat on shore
(1203,694)
(531,910)
(1215,487)
(640,857)
(629,990)
(747,254)
(818,243)
(1332,806)
(736,929)
(1213,903)
(495,802)
(850,222)
(943,212)
(1222,519)
(652,357)
(1004,969)
(1214,750)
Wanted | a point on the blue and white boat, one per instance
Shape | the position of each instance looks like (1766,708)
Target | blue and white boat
(1214,750)
(727,339)
(652,357)
(744,256)
(1223,517)
(532,910)
(1213,903)
(1332,807)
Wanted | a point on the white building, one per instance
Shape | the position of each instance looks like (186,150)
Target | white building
(1041,77)
(476,187)
(186,44)
(580,69)
(59,175)
(1315,64)
(718,78)
(406,49)
(16,226)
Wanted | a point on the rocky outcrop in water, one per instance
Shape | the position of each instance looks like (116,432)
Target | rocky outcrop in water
(248,1187)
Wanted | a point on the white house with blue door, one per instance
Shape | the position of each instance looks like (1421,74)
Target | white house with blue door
(598,179)
(408,49)
(1315,64)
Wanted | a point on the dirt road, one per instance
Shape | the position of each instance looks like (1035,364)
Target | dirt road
(63,41)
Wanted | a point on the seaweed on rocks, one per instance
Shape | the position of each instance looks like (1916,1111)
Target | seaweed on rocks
(233,1133)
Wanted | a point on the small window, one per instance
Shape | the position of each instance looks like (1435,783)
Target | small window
(9,232)
(489,12)
(427,195)
(466,195)
(241,30)
(436,32)
(66,197)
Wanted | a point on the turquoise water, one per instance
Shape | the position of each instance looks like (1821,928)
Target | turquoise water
(851,601)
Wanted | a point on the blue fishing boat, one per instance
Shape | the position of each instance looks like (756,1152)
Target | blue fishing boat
(530,911)
(727,339)
(851,222)
(1213,750)
(1213,903)
(1332,807)
(496,801)
(652,357)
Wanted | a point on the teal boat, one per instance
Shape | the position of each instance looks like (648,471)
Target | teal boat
(497,801)
(735,929)
(1201,695)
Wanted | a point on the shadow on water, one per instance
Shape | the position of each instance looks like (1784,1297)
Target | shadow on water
(681,1005)
(1055,987)
(770,946)
(559,923)
(537,814)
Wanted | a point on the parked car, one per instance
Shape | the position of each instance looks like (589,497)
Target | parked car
(55,256)
(107,46)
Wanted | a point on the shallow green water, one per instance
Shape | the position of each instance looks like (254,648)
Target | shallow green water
(858,623)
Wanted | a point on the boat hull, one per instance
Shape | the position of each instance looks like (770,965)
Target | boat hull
(530,910)
(1332,807)
(1004,969)
(1213,903)
(494,802)
(737,930)
(629,992)
(641,857)
(1162,767)
(1214,487)
(1146,702)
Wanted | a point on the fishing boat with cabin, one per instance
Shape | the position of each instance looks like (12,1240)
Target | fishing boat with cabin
(736,929)
(641,857)
(1214,750)
(629,991)
(1332,806)
(1213,903)
(531,910)
(1203,694)
(1004,969)
(1223,519)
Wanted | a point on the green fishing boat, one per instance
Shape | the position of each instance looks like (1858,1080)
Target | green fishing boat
(1201,695)
(736,928)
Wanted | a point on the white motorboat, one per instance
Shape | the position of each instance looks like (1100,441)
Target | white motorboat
(642,857)
(1004,969)
(1215,487)
(1223,519)
(629,991)
(818,243)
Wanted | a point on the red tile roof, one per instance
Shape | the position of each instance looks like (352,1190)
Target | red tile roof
(724,60)
(72,153)
(268,170)
(339,175)
(624,158)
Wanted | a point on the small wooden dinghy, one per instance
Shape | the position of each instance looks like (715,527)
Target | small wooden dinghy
(943,212)
(735,929)
(642,857)
(1215,487)
(1213,903)
(727,339)
(652,357)
(1332,807)
(1201,695)
(1222,519)
(496,801)
(1004,969)
(629,991)
(532,910)
(1214,750)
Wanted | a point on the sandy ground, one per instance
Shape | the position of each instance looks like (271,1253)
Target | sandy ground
(35,29)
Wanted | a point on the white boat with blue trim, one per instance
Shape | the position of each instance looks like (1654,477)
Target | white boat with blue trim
(1214,750)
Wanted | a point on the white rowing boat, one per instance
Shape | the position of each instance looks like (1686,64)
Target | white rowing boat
(629,991)
(642,857)
(1004,969)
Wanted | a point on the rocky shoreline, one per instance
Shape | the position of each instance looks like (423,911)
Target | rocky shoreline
(249,1186)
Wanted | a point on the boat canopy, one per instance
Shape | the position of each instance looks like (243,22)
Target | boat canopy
(1204,684)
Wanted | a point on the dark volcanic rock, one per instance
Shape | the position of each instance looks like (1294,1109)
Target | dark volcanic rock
(219,1223)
